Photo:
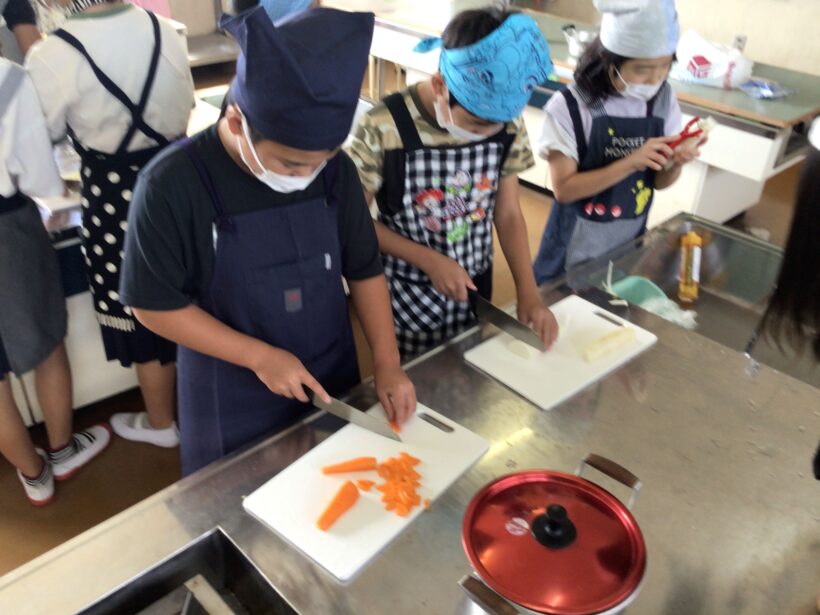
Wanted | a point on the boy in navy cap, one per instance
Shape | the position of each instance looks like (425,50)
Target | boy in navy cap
(240,238)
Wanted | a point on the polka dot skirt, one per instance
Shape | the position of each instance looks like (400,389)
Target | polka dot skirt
(106,197)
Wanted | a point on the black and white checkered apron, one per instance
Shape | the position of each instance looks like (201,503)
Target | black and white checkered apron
(108,182)
(446,204)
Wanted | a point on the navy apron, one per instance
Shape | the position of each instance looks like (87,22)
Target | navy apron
(277,277)
(108,182)
(584,230)
(442,198)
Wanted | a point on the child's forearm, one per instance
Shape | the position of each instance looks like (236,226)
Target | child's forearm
(371,299)
(196,329)
(408,250)
(585,184)
(512,235)
(666,178)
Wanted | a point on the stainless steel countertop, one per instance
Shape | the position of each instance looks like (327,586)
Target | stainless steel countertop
(729,510)
(738,274)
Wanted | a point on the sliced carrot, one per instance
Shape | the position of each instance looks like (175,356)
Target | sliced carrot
(401,482)
(359,464)
(343,501)
(395,426)
(365,485)
(410,459)
(427,504)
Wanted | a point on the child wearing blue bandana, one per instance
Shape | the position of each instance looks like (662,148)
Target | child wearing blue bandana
(441,160)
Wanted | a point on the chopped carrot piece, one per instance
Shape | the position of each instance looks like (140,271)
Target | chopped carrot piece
(427,504)
(343,501)
(401,482)
(395,426)
(365,485)
(410,459)
(360,464)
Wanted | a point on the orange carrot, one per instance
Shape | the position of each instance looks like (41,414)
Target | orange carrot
(401,482)
(365,485)
(427,503)
(343,501)
(395,426)
(410,459)
(360,464)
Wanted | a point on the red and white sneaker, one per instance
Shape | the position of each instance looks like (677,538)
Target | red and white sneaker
(40,490)
(82,448)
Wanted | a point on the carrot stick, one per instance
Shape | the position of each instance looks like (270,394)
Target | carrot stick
(343,501)
(359,464)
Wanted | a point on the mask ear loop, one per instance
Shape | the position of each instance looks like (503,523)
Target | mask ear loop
(247,132)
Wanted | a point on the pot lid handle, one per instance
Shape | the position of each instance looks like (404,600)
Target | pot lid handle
(484,597)
(615,472)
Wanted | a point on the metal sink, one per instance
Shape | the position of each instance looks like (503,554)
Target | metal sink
(738,273)
(212,570)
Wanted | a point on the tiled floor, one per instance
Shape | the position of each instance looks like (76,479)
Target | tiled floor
(128,472)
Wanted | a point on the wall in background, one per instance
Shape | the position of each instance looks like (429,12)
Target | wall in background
(780,32)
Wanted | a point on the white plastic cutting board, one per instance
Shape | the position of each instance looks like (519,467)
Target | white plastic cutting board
(291,502)
(552,377)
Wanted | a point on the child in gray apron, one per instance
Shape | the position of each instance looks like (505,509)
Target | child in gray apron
(606,138)
(32,306)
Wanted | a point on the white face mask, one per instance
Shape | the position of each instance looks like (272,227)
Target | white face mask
(274,181)
(450,126)
(640,91)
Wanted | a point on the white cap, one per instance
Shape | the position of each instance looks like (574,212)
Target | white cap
(639,28)
(814,133)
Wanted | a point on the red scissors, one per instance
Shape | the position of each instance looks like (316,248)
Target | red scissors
(691,130)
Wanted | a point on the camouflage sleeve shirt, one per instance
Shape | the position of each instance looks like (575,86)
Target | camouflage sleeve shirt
(377,133)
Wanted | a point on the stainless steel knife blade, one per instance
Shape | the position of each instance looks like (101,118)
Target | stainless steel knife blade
(355,416)
(487,312)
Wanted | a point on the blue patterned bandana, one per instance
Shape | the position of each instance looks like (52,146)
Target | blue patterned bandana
(279,9)
(493,78)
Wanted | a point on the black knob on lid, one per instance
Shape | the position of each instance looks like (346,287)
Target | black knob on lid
(554,529)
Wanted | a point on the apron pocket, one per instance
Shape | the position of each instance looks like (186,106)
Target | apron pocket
(591,240)
(300,306)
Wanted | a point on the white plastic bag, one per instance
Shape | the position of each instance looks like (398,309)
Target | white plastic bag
(706,63)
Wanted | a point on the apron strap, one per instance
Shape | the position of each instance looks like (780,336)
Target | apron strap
(146,89)
(650,105)
(223,222)
(404,121)
(577,124)
(329,174)
(12,203)
(138,122)
(659,105)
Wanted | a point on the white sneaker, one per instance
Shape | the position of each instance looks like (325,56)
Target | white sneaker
(82,448)
(39,490)
(135,426)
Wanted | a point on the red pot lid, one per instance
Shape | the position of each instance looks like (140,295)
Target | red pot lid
(554,543)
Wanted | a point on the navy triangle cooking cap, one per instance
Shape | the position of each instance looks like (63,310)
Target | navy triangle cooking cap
(298,81)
